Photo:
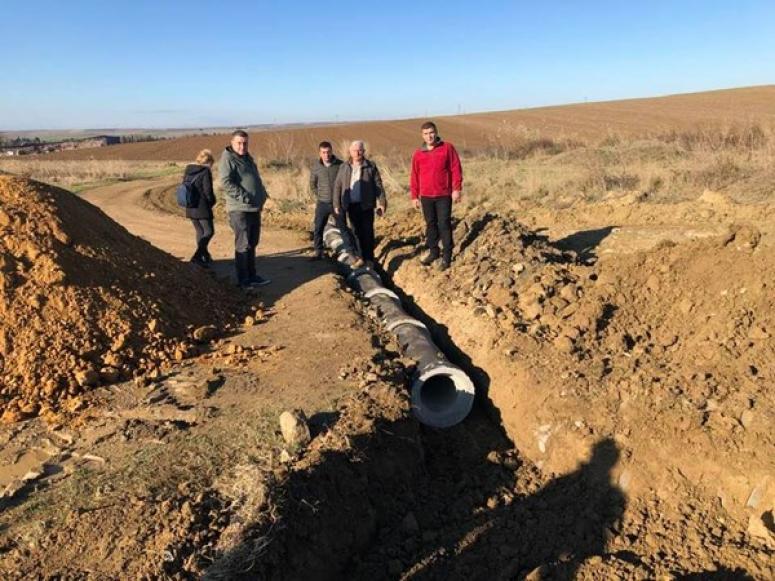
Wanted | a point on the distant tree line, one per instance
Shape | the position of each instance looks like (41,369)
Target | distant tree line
(18,141)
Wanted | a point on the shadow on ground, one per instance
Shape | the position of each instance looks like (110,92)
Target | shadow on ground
(585,242)
(406,501)
(287,270)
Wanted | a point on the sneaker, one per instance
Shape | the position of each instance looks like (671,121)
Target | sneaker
(259,281)
(444,264)
(429,259)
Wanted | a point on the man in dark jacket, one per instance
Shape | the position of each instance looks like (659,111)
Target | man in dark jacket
(358,192)
(200,179)
(245,196)
(436,181)
(321,183)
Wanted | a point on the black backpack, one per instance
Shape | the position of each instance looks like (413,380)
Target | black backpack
(186,194)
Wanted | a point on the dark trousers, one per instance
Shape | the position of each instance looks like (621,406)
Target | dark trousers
(438,223)
(247,231)
(204,233)
(322,211)
(362,223)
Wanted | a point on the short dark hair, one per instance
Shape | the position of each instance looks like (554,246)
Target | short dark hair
(239,133)
(429,125)
(325,145)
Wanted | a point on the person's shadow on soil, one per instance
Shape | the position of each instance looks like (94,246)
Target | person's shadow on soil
(554,530)
(584,242)
(337,518)
(287,271)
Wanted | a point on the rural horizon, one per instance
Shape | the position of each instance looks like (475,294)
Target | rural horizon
(343,121)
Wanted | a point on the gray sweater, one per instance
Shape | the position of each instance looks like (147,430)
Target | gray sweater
(244,191)
(322,178)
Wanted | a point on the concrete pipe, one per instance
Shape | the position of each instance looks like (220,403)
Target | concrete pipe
(442,394)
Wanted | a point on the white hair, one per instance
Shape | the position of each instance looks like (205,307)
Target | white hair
(358,144)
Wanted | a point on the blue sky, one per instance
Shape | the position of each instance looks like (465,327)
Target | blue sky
(88,64)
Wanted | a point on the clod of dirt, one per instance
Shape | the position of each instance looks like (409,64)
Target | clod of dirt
(742,237)
(83,302)
(205,334)
(294,428)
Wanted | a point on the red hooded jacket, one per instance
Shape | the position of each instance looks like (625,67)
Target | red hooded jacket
(435,172)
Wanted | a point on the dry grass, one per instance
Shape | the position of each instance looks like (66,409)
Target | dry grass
(518,166)
(526,167)
(77,175)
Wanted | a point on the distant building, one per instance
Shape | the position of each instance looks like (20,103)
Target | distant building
(101,140)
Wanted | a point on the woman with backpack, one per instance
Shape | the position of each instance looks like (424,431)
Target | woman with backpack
(199,178)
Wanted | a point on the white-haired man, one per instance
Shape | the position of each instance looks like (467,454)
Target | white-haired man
(358,192)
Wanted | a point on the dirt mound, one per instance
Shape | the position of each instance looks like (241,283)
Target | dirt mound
(685,327)
(667,352)
(83,302)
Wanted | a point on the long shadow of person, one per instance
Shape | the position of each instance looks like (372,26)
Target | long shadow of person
(585,242)
(553,530)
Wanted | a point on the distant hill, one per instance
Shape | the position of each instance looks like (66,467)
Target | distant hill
(584,121)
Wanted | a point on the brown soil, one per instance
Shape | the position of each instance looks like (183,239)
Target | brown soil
(157,474)
(666,351)
(630,367)
(580,121)
(83,302)
(623,428)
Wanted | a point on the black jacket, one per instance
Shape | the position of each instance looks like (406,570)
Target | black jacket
(322,179)
(201,180)
(372,192)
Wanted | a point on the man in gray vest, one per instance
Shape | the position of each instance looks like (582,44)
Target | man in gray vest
(321,183)
(245,198)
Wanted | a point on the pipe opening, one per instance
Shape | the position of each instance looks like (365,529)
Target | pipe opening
(442,396)
(438,393)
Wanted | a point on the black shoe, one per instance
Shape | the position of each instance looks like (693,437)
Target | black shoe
(429,259)
(259,281)
(199,261)
(444,264)
(207,258)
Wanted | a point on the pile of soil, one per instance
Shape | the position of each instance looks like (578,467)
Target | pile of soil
(83,302)
(667,352)
(680,326)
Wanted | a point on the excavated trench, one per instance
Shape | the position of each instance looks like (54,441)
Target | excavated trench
(382,496)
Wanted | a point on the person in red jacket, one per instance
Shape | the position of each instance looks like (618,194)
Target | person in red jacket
(436,181)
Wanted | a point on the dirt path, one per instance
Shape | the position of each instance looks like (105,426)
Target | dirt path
(125,203)
(141,485)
